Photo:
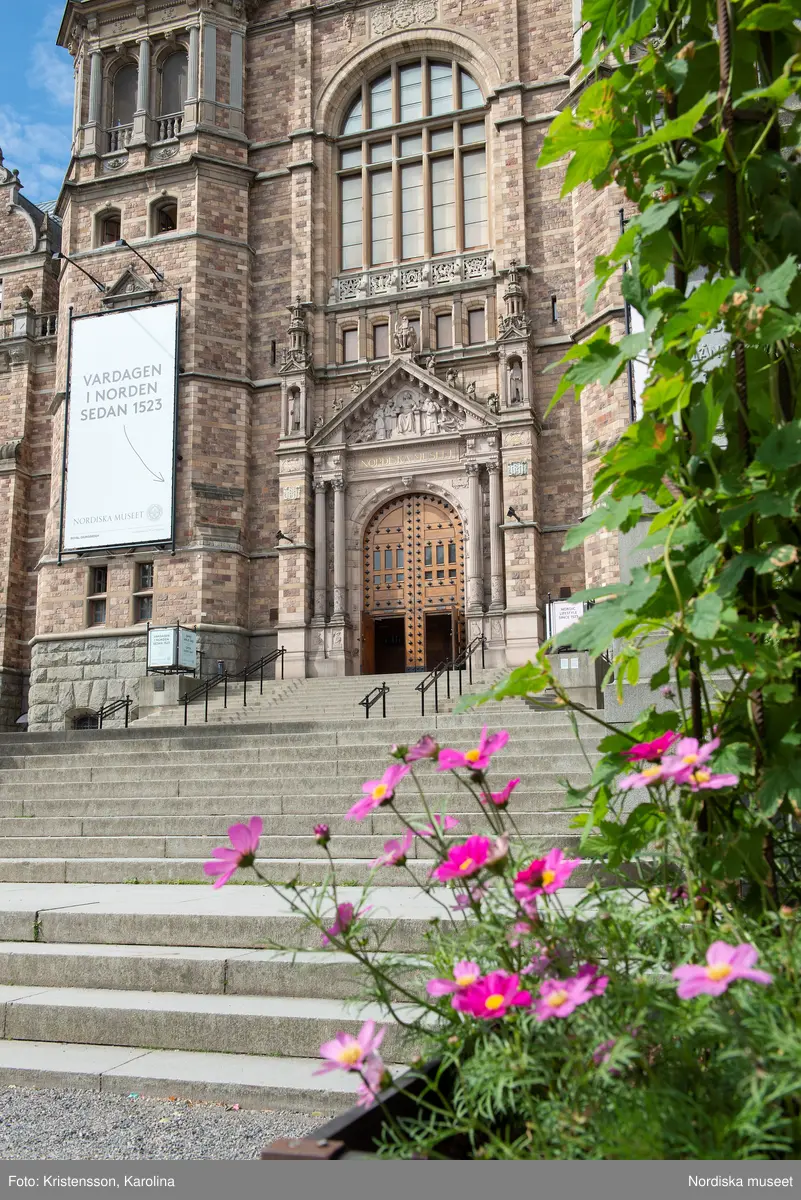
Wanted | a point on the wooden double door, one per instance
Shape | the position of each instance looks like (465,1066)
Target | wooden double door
(413,568)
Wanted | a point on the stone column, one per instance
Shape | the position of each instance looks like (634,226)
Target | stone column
(339,549)
(496,547)
(192,74)
(320,555)
(142,93)
(475,582)
(93,135)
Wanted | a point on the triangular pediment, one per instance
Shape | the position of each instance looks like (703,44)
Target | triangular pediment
(129,288)
(403,402)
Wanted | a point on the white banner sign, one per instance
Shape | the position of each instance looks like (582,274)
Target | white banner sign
(161,647)
(120,429)
(187,649)
(564,613)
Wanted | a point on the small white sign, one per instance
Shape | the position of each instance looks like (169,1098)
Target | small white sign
(161,647)
(564,613)
(292,493)
(517,468)
(187,649)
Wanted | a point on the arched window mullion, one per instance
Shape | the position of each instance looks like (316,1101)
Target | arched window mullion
(458,187)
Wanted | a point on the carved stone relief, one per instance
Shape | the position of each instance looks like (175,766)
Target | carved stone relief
(402,14)
(407,415)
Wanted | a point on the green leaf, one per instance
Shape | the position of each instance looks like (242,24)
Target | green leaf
(657,216)
(673,131)
(780,780)
(774,285)
(612,514)
(781,449)
(705,620)
(770,16)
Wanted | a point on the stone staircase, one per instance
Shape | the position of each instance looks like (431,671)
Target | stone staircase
(167,987)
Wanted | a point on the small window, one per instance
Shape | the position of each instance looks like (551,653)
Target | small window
(388,560)
(165,217)
(399,557)
(444,331)
(442,139)
(381,341)
(474,133)
(476,326)
(376,560)
(98,581)
(110,228)
(440,554)
(411,145)
(97,612)
(173,84)
(124,95)
(427,554)
(451,552)
(554,309)
(351,158)
(145,580)
(143,608)
(381,152)
(350,345)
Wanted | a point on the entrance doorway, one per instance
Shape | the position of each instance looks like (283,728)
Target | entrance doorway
(413,563)
(439,639)
(390,646)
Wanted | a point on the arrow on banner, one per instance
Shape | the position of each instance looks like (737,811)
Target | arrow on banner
(158,478)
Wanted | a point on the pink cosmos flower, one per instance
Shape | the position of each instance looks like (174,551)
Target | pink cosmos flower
(477,759)
(725,963)
(648,776)
(519,930)
(378,792)
(465,974)
(500,799)
(443,823)
(226,860)
(491,996)
(544,875)
(395,852)
(689,754)
(425,748)
(343,921)
(702,779)
(375,1078)
(464,860)
(539,963)
(560,997)
(322,835)
(348,1053)
(648,751)
(474,894)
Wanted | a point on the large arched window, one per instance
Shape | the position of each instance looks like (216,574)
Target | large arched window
(413,166)
(123,103)
(173,84)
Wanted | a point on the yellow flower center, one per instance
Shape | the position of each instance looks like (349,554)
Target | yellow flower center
(466,864)
(651,771)
(702,776)
(465,980)
(548,877)
(495,1001)
(380,791)
(718,972)
(473,755)
(349,1055)
(556,998)
(690,759)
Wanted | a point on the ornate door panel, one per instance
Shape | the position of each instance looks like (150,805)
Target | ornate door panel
(414,564)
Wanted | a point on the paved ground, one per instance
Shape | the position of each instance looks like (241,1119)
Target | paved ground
(50,1123)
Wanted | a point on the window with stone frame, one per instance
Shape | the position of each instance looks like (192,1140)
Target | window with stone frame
(381,340)
(412,166)
(172,91)
(350,345)
(143,592)
(476,326)
(164,216)
(97,600)
(123,94)
(109,227)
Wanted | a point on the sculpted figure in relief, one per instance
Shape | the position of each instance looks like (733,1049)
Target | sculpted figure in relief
(515,382)
(380,426)
(430,416)
(404,336)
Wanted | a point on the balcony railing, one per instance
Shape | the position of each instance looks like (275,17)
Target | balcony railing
(119,138)
(30,324)
(169,126)
(47,324)
(411,277)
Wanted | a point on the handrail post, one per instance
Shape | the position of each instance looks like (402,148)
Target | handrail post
(186,708)
(127,709)
(483,644)
(448,679)
(384,690)
(367,707)
(436,692)
(470,667)
(100,719)
(206,714)
(245,690)
(283,652)
(422,702)
(261,677)
(225,691)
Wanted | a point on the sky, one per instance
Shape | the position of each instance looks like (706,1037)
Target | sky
(36,87)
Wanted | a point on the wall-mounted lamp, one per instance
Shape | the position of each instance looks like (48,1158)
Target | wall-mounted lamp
(101,287)
(510,512)
(121,244)
(282,537)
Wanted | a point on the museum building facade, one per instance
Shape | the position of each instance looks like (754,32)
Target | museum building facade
(374,278)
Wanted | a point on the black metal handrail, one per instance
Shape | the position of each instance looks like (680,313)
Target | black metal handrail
(458,664)
(378,693)
(208,685)
(102,714)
